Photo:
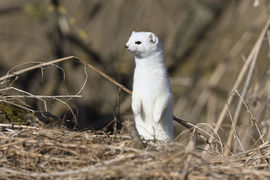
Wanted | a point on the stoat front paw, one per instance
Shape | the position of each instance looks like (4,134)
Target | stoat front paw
(136,108)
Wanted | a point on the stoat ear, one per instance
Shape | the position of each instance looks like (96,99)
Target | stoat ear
(133,32)
(153,38)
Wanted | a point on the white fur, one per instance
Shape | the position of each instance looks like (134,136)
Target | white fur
(152,96)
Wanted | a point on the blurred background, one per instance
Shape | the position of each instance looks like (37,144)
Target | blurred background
(206,43)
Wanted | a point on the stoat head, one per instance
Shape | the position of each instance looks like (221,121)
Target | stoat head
(143,44)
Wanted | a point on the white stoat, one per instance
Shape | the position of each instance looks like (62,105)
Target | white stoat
(152,101)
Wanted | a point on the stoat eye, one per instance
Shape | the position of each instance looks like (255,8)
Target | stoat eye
(138,42)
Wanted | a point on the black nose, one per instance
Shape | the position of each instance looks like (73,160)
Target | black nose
(126,46)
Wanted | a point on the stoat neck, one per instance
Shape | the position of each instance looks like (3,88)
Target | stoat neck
(156,59)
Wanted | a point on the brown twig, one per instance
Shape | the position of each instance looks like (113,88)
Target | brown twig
(16,73)
(104,75)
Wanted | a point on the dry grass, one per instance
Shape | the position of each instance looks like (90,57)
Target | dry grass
(62,154)
(49,153)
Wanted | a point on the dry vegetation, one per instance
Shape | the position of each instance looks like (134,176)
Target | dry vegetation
(54,153)
(226,97)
